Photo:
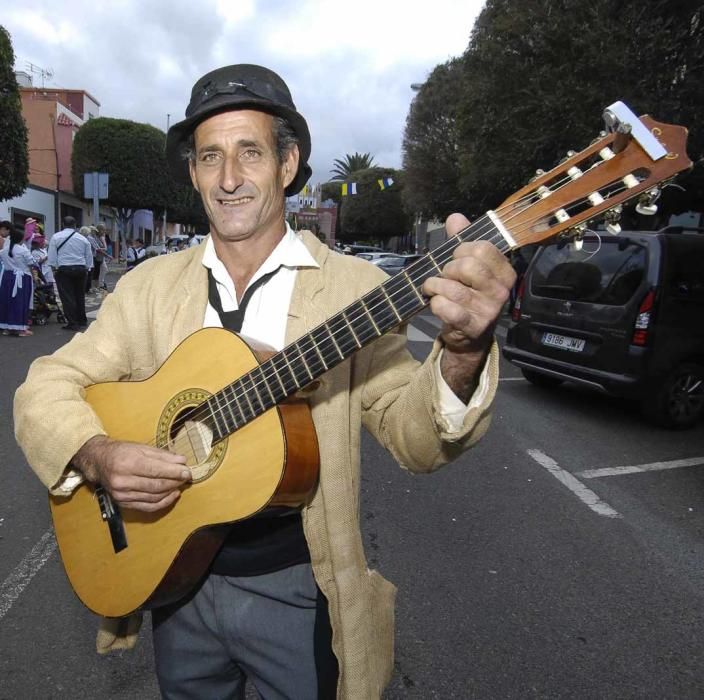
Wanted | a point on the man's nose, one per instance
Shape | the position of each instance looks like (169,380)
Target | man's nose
(230,175)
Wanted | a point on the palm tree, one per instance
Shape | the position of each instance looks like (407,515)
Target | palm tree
(351,164)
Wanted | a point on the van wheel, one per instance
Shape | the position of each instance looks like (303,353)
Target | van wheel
(679,400)
(542,380)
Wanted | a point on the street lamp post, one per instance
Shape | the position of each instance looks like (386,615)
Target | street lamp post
(163,228)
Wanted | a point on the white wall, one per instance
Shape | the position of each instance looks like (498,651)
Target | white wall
(34,201)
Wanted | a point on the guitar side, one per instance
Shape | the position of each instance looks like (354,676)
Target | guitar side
(273,460)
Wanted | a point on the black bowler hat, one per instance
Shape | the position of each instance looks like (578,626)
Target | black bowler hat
(243,86)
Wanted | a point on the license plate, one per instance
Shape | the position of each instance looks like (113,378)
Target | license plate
(563,341)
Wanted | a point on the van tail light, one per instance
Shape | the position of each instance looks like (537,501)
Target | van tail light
(643,319)
(516,310)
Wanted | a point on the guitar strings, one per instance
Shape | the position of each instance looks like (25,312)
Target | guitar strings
(264,379)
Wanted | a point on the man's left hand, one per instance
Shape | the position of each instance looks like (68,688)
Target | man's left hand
(468,298)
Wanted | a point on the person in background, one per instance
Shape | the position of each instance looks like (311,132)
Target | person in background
(71,257)
(16,285)
(30,228)
(40,253)
(135,253)
(5,228)
(192,240)
(106,248)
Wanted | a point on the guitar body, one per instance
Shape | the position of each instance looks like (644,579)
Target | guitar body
(272,460)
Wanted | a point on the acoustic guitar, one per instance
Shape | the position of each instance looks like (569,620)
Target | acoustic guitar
(247,437)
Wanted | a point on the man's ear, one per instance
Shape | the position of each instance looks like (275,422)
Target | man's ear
(192,172)
(290,165)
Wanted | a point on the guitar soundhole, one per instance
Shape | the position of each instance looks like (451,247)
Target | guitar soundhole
(185,428)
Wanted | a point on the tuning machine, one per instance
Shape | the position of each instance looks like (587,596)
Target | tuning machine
(538,173)
(646,203)
(612,218)
(575,235)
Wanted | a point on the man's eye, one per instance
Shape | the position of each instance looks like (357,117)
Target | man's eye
(208,157)
(250,154)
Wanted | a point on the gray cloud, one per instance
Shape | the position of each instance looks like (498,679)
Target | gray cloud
(350,75)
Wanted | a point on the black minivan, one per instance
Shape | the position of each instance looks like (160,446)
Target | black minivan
(623,314)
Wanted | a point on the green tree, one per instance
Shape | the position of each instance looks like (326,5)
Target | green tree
(537,94)
(14,154)
(430,153)
(345,168)
(524,98)
(185,206)
(373,214)
(133,155)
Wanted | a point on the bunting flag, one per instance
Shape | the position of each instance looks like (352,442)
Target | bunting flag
(350,188)
(385,182)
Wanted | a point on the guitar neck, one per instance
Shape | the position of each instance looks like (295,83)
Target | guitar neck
(382,309)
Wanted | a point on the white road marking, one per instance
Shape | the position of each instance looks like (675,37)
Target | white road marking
(584,494)
(640,468)
(512,379)
(25,571)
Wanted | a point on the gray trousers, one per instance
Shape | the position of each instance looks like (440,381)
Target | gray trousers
(273,630)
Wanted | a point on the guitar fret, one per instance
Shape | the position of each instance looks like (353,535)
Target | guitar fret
(290,369)
(432,259)
(278,376)
(325,346)
(228,405)
(415,289)
(256,390)
(320,355)
(371,318)
(384,317)
(332,337)
(222,431)
(235,399)
(302,358)
(245,393)
(354,335)
(267,385)
(391,304)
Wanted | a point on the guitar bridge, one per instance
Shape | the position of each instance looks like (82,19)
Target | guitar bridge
(110,513)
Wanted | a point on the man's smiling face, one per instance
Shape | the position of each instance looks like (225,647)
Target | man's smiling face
(238,175)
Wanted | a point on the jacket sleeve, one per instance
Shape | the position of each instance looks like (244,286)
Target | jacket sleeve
(401,406)
(51,400)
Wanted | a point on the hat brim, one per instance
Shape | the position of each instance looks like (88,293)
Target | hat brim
(179,133)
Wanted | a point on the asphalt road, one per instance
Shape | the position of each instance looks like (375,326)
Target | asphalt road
(519,575)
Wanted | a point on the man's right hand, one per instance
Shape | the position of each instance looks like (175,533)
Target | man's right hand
(137,476)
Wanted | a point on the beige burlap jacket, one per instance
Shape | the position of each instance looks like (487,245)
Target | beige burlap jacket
(381,387)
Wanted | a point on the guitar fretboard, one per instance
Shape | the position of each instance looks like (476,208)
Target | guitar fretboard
(382,309)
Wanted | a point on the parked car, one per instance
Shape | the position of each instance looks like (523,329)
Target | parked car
(355,249)
(394,264)
(624,315)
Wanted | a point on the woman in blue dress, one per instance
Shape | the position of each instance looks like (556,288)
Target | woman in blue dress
(16,286)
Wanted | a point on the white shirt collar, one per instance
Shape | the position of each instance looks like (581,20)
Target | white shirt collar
(290,252)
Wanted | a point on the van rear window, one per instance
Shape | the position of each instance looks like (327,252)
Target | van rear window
(603,272)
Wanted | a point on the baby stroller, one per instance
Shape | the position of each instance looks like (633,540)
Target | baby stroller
(45,302)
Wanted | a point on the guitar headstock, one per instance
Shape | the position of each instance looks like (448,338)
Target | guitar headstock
(589,184)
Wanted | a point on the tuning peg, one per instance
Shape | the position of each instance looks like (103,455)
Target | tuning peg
(570,154)
(538,173)
(612,217)
(646,204)
(602,134)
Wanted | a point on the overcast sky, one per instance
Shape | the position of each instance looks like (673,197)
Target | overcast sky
(349,65)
